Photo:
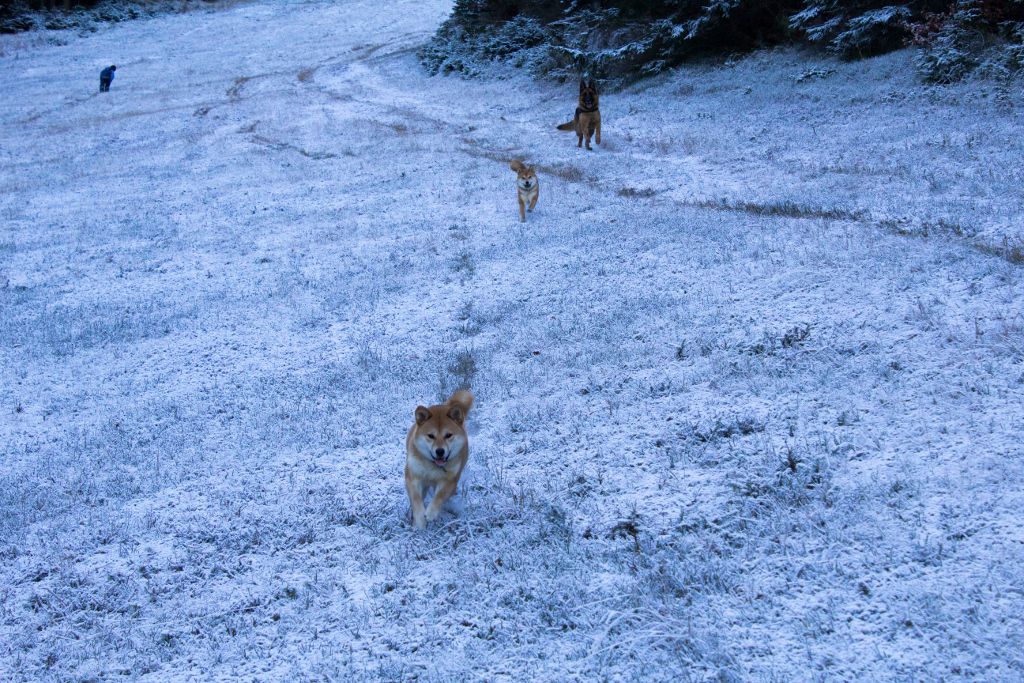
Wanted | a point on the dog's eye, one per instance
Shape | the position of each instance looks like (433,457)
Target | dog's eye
(431,436)
(447,436)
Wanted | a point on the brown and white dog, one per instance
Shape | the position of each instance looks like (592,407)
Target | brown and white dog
(436,451)
(527,187)
(587,120)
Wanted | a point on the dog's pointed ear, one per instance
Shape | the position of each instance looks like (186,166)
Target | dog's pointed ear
(516,165)
(591,85)
(457,412)
(583,85)
(422,415)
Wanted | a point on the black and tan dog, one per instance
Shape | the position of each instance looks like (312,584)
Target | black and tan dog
(587,121)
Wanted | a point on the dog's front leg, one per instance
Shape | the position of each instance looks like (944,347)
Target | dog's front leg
(533,202)
(443,493)
(598,130)
(522,209)
(416,502)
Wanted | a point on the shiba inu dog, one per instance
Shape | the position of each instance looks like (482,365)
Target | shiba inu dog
(527,187)
(587,121)
(436,451)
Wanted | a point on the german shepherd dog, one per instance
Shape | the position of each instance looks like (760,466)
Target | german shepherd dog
(587,121)
(527,187)
(436,451)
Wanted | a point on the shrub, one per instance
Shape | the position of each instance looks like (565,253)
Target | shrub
(623,41)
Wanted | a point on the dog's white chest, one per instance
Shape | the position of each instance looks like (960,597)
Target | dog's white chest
(424,470)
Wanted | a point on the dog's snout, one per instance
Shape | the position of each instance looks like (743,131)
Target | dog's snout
(439,452)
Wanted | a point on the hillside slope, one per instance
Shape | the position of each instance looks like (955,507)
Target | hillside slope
(749,382)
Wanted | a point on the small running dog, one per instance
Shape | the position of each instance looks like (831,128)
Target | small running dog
(587,120)
(436,451)
(527,187)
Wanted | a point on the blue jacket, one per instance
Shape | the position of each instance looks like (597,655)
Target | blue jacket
(107,74)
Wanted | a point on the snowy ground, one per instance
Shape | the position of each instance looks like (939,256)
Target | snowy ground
(749,382)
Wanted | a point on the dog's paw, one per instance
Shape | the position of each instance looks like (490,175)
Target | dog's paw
(432,514)
(419,523)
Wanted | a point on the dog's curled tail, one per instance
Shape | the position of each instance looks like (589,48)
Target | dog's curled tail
(567,126)
(462,398)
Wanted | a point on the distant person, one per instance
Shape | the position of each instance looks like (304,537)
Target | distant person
(106,76)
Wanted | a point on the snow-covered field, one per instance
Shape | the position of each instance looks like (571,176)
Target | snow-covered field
(749,383)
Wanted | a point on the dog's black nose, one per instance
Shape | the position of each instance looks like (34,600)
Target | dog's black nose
(440,452)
